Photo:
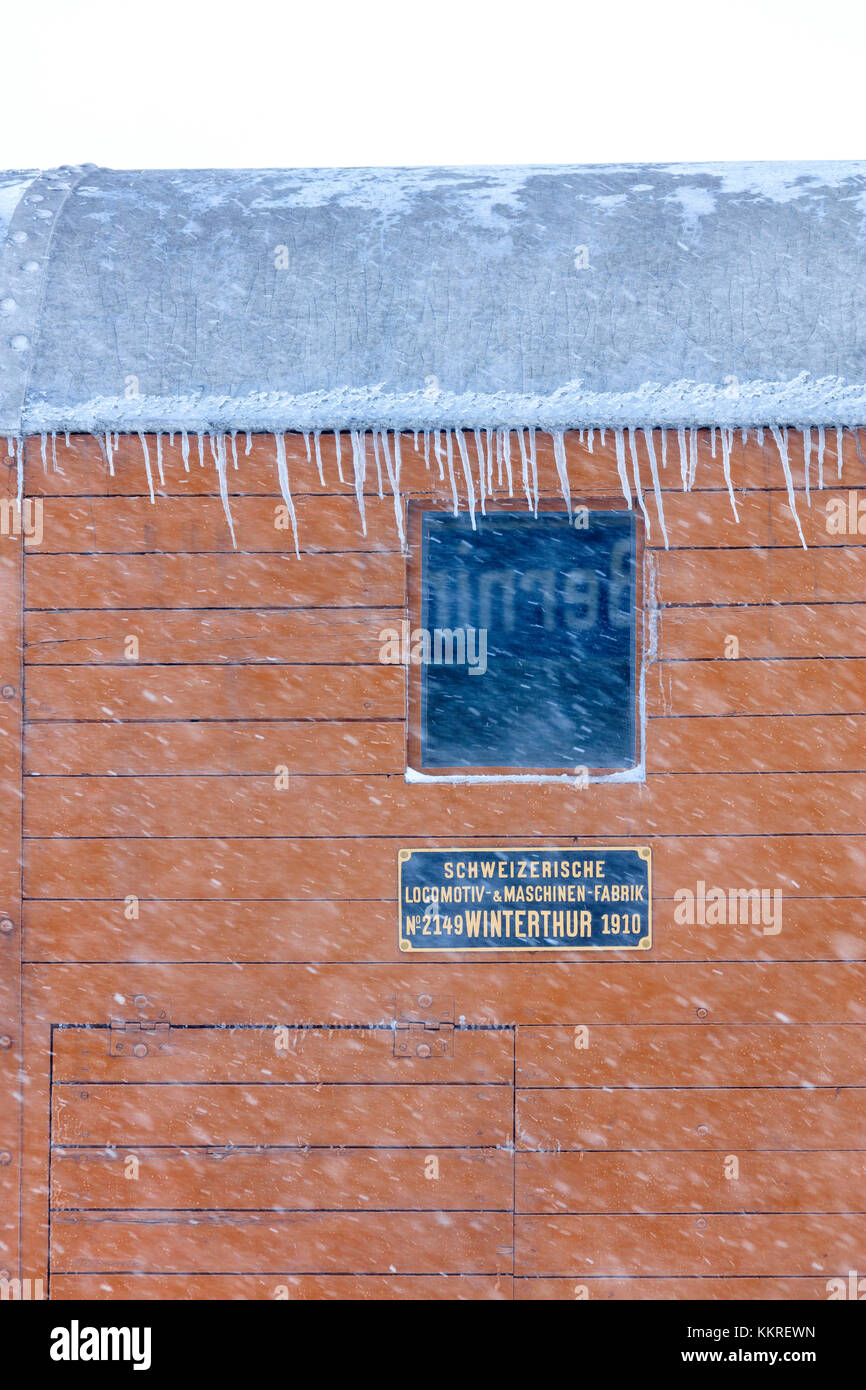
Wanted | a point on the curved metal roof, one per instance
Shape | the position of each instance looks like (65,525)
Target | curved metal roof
(442,298)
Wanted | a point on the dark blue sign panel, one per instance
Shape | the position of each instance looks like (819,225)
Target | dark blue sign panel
(525,899)
(532,633)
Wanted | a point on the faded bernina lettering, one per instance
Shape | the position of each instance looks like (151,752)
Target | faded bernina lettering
(525,899)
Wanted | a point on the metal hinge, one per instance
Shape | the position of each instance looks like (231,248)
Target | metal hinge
(144,1034)
(423,1026)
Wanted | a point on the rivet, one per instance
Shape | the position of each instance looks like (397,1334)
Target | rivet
(423,1049)
(703,1129)
(425,1000)
(5,1040)
(140,1050)
(140,1000)
(5,1157)
(6,924)
(7,692)
(702,1013)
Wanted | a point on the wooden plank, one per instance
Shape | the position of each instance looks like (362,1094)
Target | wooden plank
(301,1287)
(350,1180)
(755,743)
(812,929)
(178,637)
(504,993)
(365,1242)
(274,1055)
(835,575)
(801,866)
(670,804)
(200,692)
(727,1120)
(696,1054)
(229,746)
(11,1019)
(762,630)
(757,687)
(82,470)
(707,1287)
(765,1244)
(425,1114)
(677,1182)
(216,581)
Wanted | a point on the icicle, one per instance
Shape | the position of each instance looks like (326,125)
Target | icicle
(524,468)
(394,480)
(234,449)
(109,453)
(619,440)
(449,453)
(638,486)
(339,452)
(499,458)
(712,441)
(184,449)
(693,456)
(506,453)
(415,440)
(317,438)
(359,465)
(782,446)
(307,446)
(856,434)
(760,436)
(664,449)
(840,440)
(43,439)
(821,446)
(684,462)
(489,437)
(427,450)
(159,458)
(146,452)
(437,448)
(220,457)
(580,435)
(283,476)
(53,451)
(378,461)
(603,434)
(590,437)
(745,435)
(18,452)
(559,457)
(651,454)
(479,454)
(467,471)
(727,441)
(807,457)
(533,465)
(200,437)
(66,437)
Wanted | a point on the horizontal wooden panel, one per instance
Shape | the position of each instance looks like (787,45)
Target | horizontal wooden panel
(812,929)
(781,630)
(356,745)
(303,1287)
(215,581)
(803,866)
(816,575)
(689,1245)
(200,692)
(81,468)
(757,687)
(726,1120)
(707,1288)
(695,1055)
(756,743)
(267,1054)
(374,1242)
(483,992)
(353,1180)
(670,1182)
(132,1114)
(131,525)
(177,637)
(774,804)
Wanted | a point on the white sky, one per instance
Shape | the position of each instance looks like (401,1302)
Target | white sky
(170,83)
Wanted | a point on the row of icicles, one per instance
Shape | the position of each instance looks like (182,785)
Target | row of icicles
(499,449)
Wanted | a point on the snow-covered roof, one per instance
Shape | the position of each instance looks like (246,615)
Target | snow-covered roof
(559,297)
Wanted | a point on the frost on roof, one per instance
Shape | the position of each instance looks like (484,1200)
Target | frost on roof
(555,297)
